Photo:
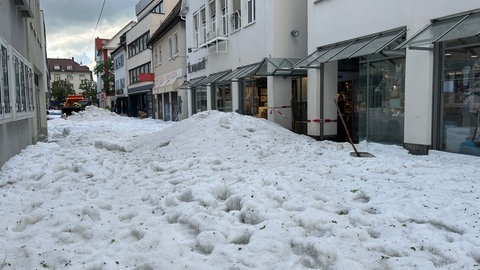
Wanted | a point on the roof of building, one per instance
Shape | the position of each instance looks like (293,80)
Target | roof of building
(65,65)
(172,19)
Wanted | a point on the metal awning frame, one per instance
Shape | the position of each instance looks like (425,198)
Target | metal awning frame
(324,54)
(461,19)
(278,67)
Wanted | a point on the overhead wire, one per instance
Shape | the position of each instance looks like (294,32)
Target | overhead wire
(95,30)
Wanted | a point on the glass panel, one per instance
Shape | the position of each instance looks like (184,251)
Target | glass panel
(200,99)
(6,89)
(468,27)
(166,107)
(16,64)
(358,44)
(379,43)
(1,81)
(174,95)
(333,52)
(383,96)
(460,91)
(434,31)
(256,97)
(310,61)
(223,98)
(160,107)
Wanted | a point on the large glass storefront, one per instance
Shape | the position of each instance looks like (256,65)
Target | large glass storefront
(371,92)
(460,95)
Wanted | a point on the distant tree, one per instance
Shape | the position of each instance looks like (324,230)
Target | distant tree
(104,69)
(61,89)
(89,90)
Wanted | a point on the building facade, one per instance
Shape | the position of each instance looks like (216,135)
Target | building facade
(106,47)
(171,100)
(236,52)
(412,80)
(150,14)
(23,77)
(67,69)
(121,75)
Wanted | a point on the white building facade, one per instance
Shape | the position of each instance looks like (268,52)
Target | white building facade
(235,50)
(411,80)
(23,77)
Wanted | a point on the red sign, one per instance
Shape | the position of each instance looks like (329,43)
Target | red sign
(146,77)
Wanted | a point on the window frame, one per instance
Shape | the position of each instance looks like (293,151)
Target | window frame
(251,11)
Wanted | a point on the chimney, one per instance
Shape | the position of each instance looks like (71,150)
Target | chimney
(73,59)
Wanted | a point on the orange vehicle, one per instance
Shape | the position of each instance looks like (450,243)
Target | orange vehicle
(74,103)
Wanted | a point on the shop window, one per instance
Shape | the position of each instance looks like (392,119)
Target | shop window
(166,107)
(223,97)
(4,87)
(460,95)
(200,98)
(379,102)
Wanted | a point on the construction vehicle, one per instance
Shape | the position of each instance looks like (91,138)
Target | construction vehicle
(74,103)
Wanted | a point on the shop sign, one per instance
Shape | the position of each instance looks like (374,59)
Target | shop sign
(196,67)
(168,76)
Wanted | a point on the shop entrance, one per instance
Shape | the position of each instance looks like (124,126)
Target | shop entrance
(372,88)
(256,97)
(348,88)
(299,105)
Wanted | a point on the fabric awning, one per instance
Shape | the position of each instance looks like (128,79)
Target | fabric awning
(159,87)
(171,85)
(212,78)
(279,67)
(463,26)
(370,44)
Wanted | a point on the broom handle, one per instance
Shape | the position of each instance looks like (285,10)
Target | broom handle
(346,129)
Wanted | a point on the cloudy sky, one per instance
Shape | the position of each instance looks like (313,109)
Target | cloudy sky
(70,26)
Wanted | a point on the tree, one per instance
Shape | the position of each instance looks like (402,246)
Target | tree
(89,90)
(61,89)
(105,71)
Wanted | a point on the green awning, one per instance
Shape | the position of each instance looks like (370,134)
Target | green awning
(457,27)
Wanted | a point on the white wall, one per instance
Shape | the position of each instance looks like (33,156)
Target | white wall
(328,24)
(268,36)
(332,20)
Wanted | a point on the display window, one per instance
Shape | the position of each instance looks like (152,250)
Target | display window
(381,100)
(200,99)
(460,95)
(256,97)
